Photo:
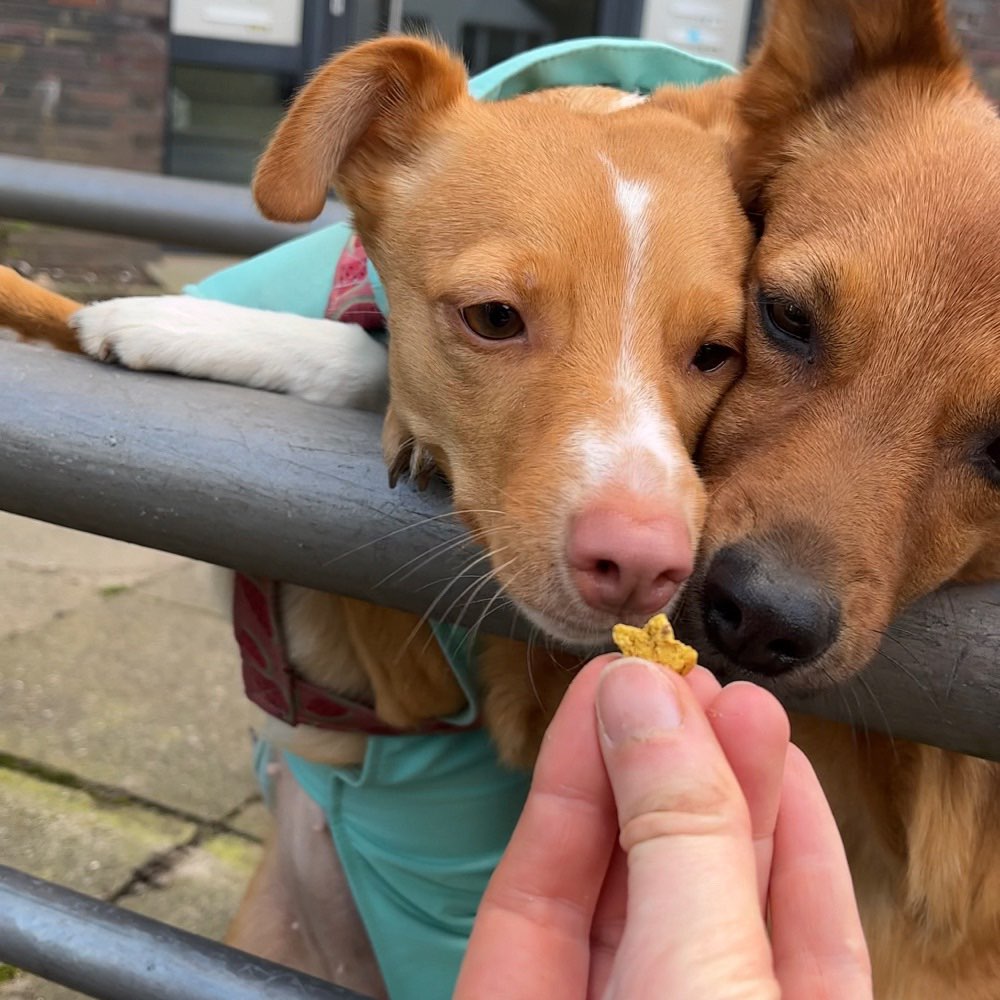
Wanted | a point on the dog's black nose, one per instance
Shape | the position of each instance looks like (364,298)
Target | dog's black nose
(764,614)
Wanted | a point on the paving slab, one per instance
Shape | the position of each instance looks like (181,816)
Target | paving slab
(254,820)
(202,891)
(89,559)
(29,597)
(194,585)
(23,987)
(61,834)
(134,692)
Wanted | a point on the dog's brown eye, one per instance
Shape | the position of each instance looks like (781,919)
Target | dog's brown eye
(711,357)
(785,320)
(493,321)
(992,463)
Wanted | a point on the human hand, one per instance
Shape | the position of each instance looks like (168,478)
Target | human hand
(721,824)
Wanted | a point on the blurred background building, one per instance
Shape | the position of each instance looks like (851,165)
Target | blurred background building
(193,87)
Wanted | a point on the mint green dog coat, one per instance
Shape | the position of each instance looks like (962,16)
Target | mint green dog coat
(420,825)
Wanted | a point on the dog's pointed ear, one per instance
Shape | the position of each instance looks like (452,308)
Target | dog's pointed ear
(813,50)
(363,110)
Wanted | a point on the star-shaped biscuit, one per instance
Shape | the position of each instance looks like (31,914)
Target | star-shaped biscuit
(655,641)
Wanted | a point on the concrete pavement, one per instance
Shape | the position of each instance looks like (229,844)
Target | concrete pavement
(124,746)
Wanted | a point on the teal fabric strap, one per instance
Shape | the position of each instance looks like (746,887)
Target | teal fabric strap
(297,276)
(420,826)
(631,64)
(419,829)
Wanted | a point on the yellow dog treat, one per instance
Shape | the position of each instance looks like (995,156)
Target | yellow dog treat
(655,641)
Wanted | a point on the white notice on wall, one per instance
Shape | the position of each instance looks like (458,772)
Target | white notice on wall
(713,28)
(266,22)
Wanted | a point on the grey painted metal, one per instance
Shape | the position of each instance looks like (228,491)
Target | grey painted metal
(274,486)
(113,954)
(620,18)
(202,214)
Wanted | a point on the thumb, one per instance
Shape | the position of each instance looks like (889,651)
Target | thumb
(694,929)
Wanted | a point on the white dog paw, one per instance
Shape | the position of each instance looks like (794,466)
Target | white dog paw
(140,332)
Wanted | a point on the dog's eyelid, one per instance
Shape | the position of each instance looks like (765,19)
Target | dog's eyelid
(986,454)
(782,294)
(812,291)
(466,298)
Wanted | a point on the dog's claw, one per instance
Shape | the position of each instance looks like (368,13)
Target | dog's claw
(400,464)
(108,354)
(422,466)
(414,462)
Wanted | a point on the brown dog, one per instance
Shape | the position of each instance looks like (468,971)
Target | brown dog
(856,466)
(565,273)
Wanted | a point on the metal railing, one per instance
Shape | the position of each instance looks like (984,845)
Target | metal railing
(205,215)
(275,486)
(110,953)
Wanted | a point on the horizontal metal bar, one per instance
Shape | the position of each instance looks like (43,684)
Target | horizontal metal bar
(274,486)
(113,954)
(202,214)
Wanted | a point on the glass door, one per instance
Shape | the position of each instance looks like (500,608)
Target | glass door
(235,64)
(487,32)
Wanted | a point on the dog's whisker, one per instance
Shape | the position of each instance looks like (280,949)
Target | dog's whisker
(878,705)
(472,631)
(900,665)
(497,595)
(435,552)
(478,582)
(529,663)
(426,616)
(476,586)
(397,531)
(839,688)
(902,630)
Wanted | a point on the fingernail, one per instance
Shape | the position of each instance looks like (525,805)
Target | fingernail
(636,701)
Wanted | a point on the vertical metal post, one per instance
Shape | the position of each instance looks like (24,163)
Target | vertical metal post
(620,18)
(394,20)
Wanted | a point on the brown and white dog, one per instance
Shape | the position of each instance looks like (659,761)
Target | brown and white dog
(856,464)
(562,332)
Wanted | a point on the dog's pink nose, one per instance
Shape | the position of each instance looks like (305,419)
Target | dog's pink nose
(626,564)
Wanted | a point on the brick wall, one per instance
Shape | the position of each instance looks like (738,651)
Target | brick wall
(84,80)
(978,24)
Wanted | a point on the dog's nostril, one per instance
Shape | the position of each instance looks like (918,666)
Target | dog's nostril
(786,649)
(729,611)
(622,564)
(608,569)
(764,613)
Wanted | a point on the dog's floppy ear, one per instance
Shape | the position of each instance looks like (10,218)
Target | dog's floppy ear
(711,106)
(812,50)
(362,110)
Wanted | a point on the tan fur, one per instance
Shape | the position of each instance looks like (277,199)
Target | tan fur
(36,313)
(711,105)
(874,166)
(417,162)
(404,154)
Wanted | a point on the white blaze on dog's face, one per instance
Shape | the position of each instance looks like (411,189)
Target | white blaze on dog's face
(565,294)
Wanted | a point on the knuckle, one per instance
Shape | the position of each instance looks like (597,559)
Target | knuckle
(706,805)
